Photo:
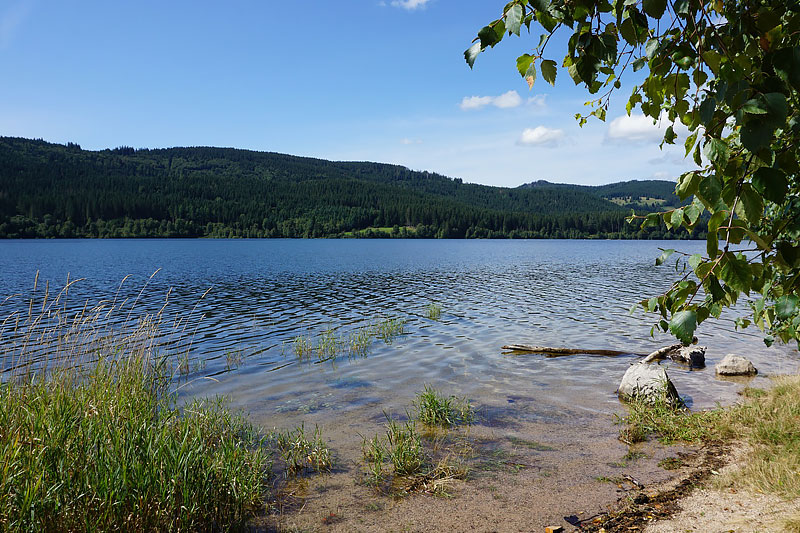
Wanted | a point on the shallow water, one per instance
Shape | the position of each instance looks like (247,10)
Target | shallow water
(264,294)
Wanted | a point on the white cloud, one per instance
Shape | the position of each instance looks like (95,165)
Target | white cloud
(504,101)
(408,141)
(541,136)
(508,99)
(409,4)
(640,128)
(475,102)
(540,101)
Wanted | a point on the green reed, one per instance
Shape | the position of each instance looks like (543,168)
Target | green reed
(330,344)
(92,437)
(433,311)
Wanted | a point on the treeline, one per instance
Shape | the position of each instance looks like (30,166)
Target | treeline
(56,191)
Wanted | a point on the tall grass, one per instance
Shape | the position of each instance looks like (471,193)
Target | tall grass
(766,422)
(104,447)
(91,434)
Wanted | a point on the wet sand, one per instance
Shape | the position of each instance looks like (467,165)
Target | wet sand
(526,472)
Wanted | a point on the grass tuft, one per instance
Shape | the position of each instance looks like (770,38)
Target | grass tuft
(436,409)
(302,452)
(433,311)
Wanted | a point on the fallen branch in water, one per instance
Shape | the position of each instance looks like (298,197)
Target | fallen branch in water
(560,351)
(676,352)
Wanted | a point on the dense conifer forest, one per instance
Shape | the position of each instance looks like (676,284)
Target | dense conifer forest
(51,190)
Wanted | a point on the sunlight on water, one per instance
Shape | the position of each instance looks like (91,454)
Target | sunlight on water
(264,295)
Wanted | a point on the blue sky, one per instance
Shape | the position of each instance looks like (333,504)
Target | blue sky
(350,80)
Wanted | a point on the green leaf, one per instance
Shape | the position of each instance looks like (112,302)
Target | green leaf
(750,207)
(771,183)
(514,19)
(710,190)
(754,107)
(651,48)
(488,37)
(787,65)
(664,256)
(471,53)
(756,133)
(677,218)
(549,71)
(711,58)
(736,273)
(690,140)
(717,151)
(695,260)
(778,107)
(692,212)
(688,184)
(682,325)
(540,5)
(524,63)
(790,254)
(786,306)
(639,63)
(655,8)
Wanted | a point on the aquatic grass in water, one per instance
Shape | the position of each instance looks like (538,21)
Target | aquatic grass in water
(359,342)
(233,359)
(433,311)
(389,329)
(435,409)
(302,346)
(328,345)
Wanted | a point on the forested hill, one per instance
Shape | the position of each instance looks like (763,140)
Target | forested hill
(634,193)
(53,190)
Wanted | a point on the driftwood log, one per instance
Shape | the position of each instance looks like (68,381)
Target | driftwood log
(560,351)
(676,352)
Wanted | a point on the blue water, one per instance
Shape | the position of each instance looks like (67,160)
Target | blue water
(263,294)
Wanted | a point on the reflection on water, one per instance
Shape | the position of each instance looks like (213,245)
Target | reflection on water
(265,294)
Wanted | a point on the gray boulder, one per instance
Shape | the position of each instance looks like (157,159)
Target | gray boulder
(649,382)
(735,365)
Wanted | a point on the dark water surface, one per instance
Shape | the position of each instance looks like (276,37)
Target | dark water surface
(265,293)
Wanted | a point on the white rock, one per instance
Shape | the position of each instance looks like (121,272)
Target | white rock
(735,365)
(649,382)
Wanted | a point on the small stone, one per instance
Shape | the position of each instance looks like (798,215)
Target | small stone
(694,356)
(554,529)
(735,365)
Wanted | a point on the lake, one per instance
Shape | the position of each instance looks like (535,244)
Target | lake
(241,337)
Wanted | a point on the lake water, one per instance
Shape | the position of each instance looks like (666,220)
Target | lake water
(266,293)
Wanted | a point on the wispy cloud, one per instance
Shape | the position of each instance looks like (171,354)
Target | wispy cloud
(410,5)
(640,129)
(408,141)
(504,101)
(11,19)
(538,101)
(541,136)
